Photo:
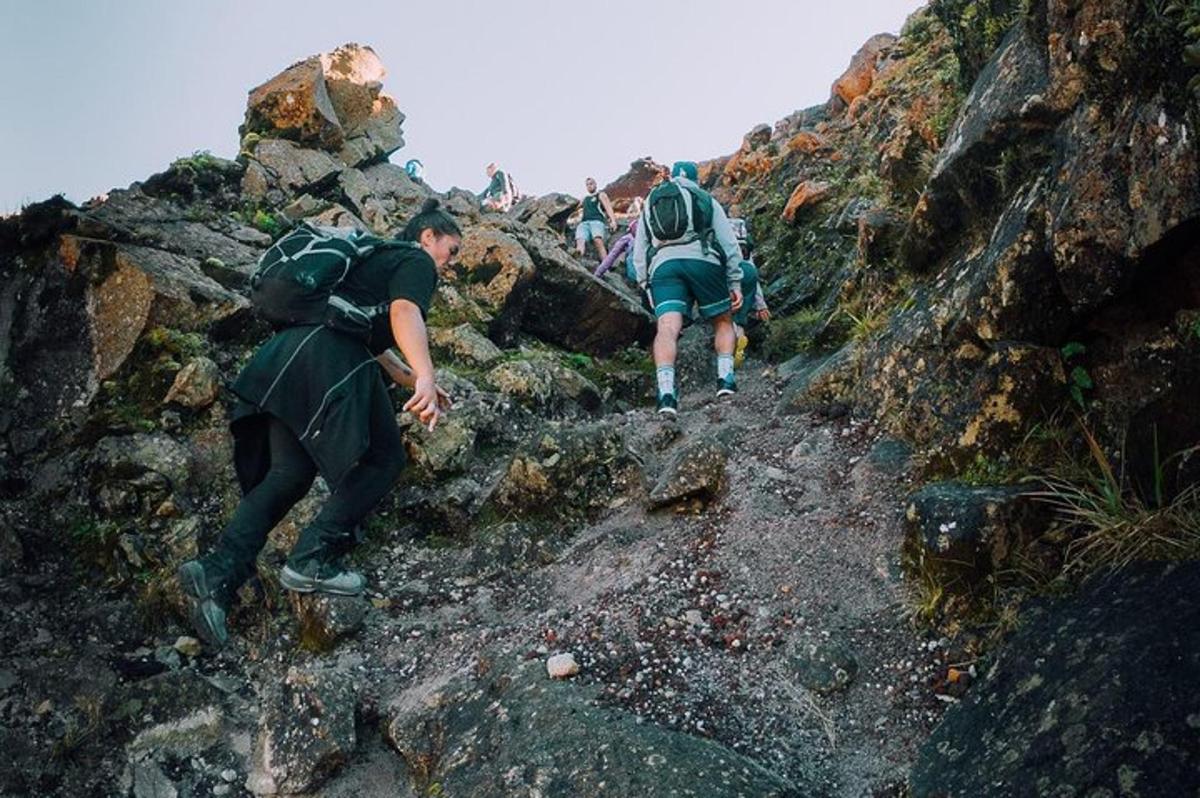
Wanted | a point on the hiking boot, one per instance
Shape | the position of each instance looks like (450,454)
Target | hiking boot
(334,580)
(726,387)
(204,609)
(667,405)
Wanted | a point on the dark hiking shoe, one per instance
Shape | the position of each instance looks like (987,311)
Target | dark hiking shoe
(726,387)
(204,610)
(667,405)
(335,581)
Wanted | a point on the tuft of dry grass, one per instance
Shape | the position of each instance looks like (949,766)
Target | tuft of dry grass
(1109,525)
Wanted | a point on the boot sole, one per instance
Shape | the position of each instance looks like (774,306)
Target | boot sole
(195,587)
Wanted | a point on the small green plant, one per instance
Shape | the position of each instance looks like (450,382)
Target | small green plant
(266,222)
(579,361)
(1078,379)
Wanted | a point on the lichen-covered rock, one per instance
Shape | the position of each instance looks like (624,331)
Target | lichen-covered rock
(369,119)
(305,732)
(858,77)
(571,468)
(825,667)
(1092,695)
(544,385)
(1004,104)
(494,269)
(324,619)
(291,168)
(472,738)
(697,469)
(196,385)
(295,104)
(806,193)
(465,345)
(962,533)
(445,451)
(549,211)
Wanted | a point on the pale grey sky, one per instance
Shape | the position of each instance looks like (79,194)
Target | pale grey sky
(100,93)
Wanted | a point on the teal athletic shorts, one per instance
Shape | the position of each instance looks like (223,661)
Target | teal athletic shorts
(676,284)
(589,230)
(749,289)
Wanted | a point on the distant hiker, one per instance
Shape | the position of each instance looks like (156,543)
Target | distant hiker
(623,247)
(501,194)
(312,400)
(754,304)
(415,169)
(597,213)
(684,252)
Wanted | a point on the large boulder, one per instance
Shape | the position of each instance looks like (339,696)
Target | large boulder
(494,270)
(602,320)
(332,102)
(1092,695)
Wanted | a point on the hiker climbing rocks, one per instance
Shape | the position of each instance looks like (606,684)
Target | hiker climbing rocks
(597,214)
(501,194)
(623,246)
(754,304)
(685,252)
(312,400)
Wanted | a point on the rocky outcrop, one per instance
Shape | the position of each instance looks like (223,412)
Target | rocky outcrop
(471,737)
(332,101)
(643,175)
(1117,657)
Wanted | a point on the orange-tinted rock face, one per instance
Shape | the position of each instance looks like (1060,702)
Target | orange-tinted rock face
(805,141)
(295,104)
(807,193)
(857,79)
(643,175)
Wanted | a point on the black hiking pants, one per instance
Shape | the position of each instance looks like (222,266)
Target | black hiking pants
(288,479)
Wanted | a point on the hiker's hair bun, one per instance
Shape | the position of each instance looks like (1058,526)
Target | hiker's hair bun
(430,205)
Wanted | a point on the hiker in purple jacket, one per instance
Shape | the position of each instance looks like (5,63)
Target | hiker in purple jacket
(622,248)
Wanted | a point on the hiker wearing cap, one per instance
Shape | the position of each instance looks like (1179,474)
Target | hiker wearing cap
(598,216)
(312,400)
(684,252)
(500,194)
(415,169)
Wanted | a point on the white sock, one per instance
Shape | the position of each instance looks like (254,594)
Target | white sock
(666,380)
(724,367)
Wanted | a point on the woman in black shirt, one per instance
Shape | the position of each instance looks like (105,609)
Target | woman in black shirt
(313,399)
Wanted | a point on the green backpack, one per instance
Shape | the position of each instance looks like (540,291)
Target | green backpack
(295,280)
(677,215)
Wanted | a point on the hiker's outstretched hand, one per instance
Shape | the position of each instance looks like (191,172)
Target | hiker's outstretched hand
(424,402)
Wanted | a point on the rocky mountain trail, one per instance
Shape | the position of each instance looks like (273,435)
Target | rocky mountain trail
(711,618)
(911,544)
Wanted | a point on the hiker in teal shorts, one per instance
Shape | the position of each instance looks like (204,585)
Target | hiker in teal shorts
(685,252)
(598,219)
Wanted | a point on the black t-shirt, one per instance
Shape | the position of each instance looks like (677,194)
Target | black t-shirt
(384,276)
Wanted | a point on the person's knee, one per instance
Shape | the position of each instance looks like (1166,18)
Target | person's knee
(290,481)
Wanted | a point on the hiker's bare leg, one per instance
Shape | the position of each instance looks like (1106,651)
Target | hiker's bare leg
(600,248)
(665,340)
(724,336)
(580,245)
